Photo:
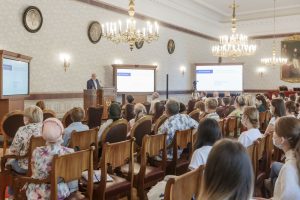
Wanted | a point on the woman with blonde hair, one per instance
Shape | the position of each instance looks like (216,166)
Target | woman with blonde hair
(239,104)
(139,112)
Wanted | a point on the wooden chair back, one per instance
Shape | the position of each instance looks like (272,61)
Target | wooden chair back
(195,114)
(122,154)
(268,118)
(48,114)
(94,116)
(222,126)
(141,128)
(202,116)
(159,122)
(231,126)
(185,186)
(115,132)
(255,152)
(66,120)
(34,143)
(262,119)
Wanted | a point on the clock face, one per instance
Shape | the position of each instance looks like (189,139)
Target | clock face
(95,32)
(32,19)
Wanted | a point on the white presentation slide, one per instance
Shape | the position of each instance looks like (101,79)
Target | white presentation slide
(15,77)
(219,78)
(135,80)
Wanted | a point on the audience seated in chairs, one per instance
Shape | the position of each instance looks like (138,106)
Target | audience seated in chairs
(250,120)
(155,99)
(228,173)
(239,104)
(77,115)
(33,118)
(211,105)
(139,112)
(175,122)
(208,133)
(290,107)
(277,110)
(226,108)
(128,108)
(114,114)
(41,105)
(261,103)
(42,159)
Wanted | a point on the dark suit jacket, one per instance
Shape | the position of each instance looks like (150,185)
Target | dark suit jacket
(90,84)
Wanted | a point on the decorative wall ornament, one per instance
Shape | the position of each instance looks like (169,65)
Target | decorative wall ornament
(95,32)
(171,46)
(32,19)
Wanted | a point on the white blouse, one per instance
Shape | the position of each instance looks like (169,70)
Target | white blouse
(248,137)
(199,157)
(287,186)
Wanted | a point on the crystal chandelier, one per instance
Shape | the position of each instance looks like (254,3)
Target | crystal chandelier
(274,60)
(235,45)
(114,32)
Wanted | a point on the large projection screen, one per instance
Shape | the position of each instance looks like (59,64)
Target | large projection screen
(134,80)
(219,77)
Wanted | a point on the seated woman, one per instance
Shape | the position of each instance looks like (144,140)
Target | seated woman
(128,108)
(42,160)
(77,115)
(208,133)
(182,108)
(158,111)
(228,173)
(239,104)
(291,108)
(41,105)
(250,120)
(277,110)
(139,112)
(224,110)
(155,99)
(211,105)
(261,103)
(33,118)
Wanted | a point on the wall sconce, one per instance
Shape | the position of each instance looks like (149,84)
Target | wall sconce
(182,70)
(261,71)
(118,62)
(65,58)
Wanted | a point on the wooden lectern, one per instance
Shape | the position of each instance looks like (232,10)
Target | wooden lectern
(96,98)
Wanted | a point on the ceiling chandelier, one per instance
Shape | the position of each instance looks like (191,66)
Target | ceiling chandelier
(274,60)
(235,45)
(114,32)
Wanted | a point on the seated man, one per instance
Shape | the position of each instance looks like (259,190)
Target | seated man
(175,122)
(211,105)
(77,115)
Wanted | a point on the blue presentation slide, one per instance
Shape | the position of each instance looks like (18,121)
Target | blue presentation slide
(15,77)
(219,78)
(135,80)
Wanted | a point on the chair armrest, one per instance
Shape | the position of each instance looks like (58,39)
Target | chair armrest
(11,156)
(24,179)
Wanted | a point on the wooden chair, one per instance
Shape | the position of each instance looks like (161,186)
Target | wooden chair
(48,114)
(202,116)
(84,140)
(115,132)
(141,128)
(231,127)
(7,174)
(222,126)
(268,118)
(94,116)
(185,186)
(62,169)
(114,157)
(262,120)
(66,120)
(159,122)
(195,114)
(183,140)
(10,124)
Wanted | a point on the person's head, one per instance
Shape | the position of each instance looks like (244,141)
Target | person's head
(274,96)
(41,104)
(226,101)
(281,95)
(200,105)
(211,105)
(77,114)
(208,133)
(249,100)
(52,130)
(114,111)
(239,102)
(155,95)
(182,107)
(129,98)
(203,94)
(94,76)
(293,97)
(216,94)
(33,114)
(159,108)
(290,107)
(139,111)
(287,136)
(277,107)
(228,173)
(172,107)
(250,118)
(260,100)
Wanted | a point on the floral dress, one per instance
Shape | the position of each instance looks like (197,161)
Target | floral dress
(41,167)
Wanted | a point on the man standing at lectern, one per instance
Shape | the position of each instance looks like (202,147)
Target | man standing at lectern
(93,83)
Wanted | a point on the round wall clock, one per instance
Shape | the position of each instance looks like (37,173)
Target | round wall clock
(32,19)
(139,45)
(171,46)
(95,32)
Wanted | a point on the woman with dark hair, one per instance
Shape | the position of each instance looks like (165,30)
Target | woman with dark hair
(208,133)
(158,111)
(228,173)
(182,108)
(291,108)
(261,103)
(277,110)
(239,104)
